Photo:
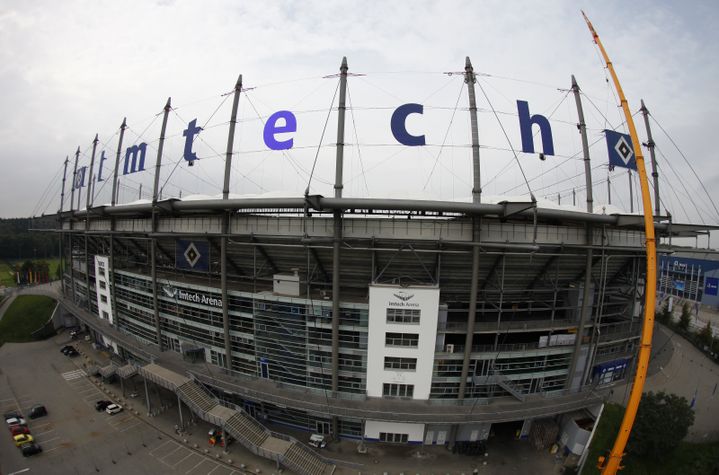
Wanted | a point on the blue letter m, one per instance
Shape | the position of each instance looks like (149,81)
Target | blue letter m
(131,159)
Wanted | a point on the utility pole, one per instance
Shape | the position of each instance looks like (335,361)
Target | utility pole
(650,146)
(226,225)
(115,178)
(337,238)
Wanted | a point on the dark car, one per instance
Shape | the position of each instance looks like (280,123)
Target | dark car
(66,348)
(102,405)
(12,415)
(37,411)
(30,449)
(72,352)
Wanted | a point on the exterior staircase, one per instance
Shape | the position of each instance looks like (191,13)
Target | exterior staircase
(238,424)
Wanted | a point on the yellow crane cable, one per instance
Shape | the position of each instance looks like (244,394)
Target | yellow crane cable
(611,464)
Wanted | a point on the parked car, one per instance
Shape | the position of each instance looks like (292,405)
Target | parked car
(113,409)
(66,348)
(16,421)
(72,353)
(30,449)
(318,440)
(22,439)
(37,411)
(12,415)
(17,430)
(102,404)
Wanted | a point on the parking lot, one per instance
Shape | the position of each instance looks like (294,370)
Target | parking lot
(77,439)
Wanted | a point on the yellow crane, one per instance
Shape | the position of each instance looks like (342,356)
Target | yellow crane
(612,463)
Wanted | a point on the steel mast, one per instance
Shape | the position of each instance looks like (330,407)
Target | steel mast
(611,464)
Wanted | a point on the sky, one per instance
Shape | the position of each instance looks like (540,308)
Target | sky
(73,69)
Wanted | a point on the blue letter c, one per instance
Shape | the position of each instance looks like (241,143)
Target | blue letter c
(399,130)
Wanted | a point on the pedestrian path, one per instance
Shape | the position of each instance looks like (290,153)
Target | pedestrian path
(76,374)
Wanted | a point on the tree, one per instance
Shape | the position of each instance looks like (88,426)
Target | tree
(705,336)
(664,315)
(685,318)
(663,420)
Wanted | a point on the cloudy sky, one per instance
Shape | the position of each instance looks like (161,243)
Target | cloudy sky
(71,69)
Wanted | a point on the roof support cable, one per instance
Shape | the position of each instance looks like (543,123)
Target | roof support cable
(319,145)
(509,142)
(444,140)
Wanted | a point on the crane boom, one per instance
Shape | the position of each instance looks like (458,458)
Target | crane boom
(611,464)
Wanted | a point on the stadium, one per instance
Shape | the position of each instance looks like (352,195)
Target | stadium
(407,321)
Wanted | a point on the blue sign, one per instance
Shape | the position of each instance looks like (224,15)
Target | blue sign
(679,285)
(621,151)
(399,127)
(189,134)
(99,168)
(711,285)
(272,128)
(525,128)
(192,255)
(135,159)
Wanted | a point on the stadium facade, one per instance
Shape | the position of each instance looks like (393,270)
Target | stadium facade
(390,365)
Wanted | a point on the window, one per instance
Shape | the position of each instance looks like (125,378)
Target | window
(103,298)
(102,271)
(397,390)
(402,339)
(406,364)
(105,315)
(103,285)
(394,438)
(403,315)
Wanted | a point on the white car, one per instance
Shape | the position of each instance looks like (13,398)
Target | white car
(113,409)
(15,421)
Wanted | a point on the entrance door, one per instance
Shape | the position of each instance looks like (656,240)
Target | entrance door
(323,427)
(264,368)
(429,437)
(441,437)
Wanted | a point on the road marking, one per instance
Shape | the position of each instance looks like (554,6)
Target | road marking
(170,453)
(198,464)
(159,446)
(216,467)
(19,471)
(72,375)
(131,427)
(184,458)
(36,433)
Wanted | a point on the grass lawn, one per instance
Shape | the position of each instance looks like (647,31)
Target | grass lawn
(7,273)
(697,459)
(25,315)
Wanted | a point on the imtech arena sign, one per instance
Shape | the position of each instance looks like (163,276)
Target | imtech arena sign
(191,296)
(280,126)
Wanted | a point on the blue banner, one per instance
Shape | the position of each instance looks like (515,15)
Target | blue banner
(79,178)
(711,285)
(192,255)
(620,150)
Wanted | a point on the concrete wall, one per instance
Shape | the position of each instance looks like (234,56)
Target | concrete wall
(415,432)
(382,297)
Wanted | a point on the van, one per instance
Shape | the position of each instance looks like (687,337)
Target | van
(318,440)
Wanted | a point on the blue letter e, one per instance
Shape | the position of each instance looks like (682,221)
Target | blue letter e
(272,129)
(399,127)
